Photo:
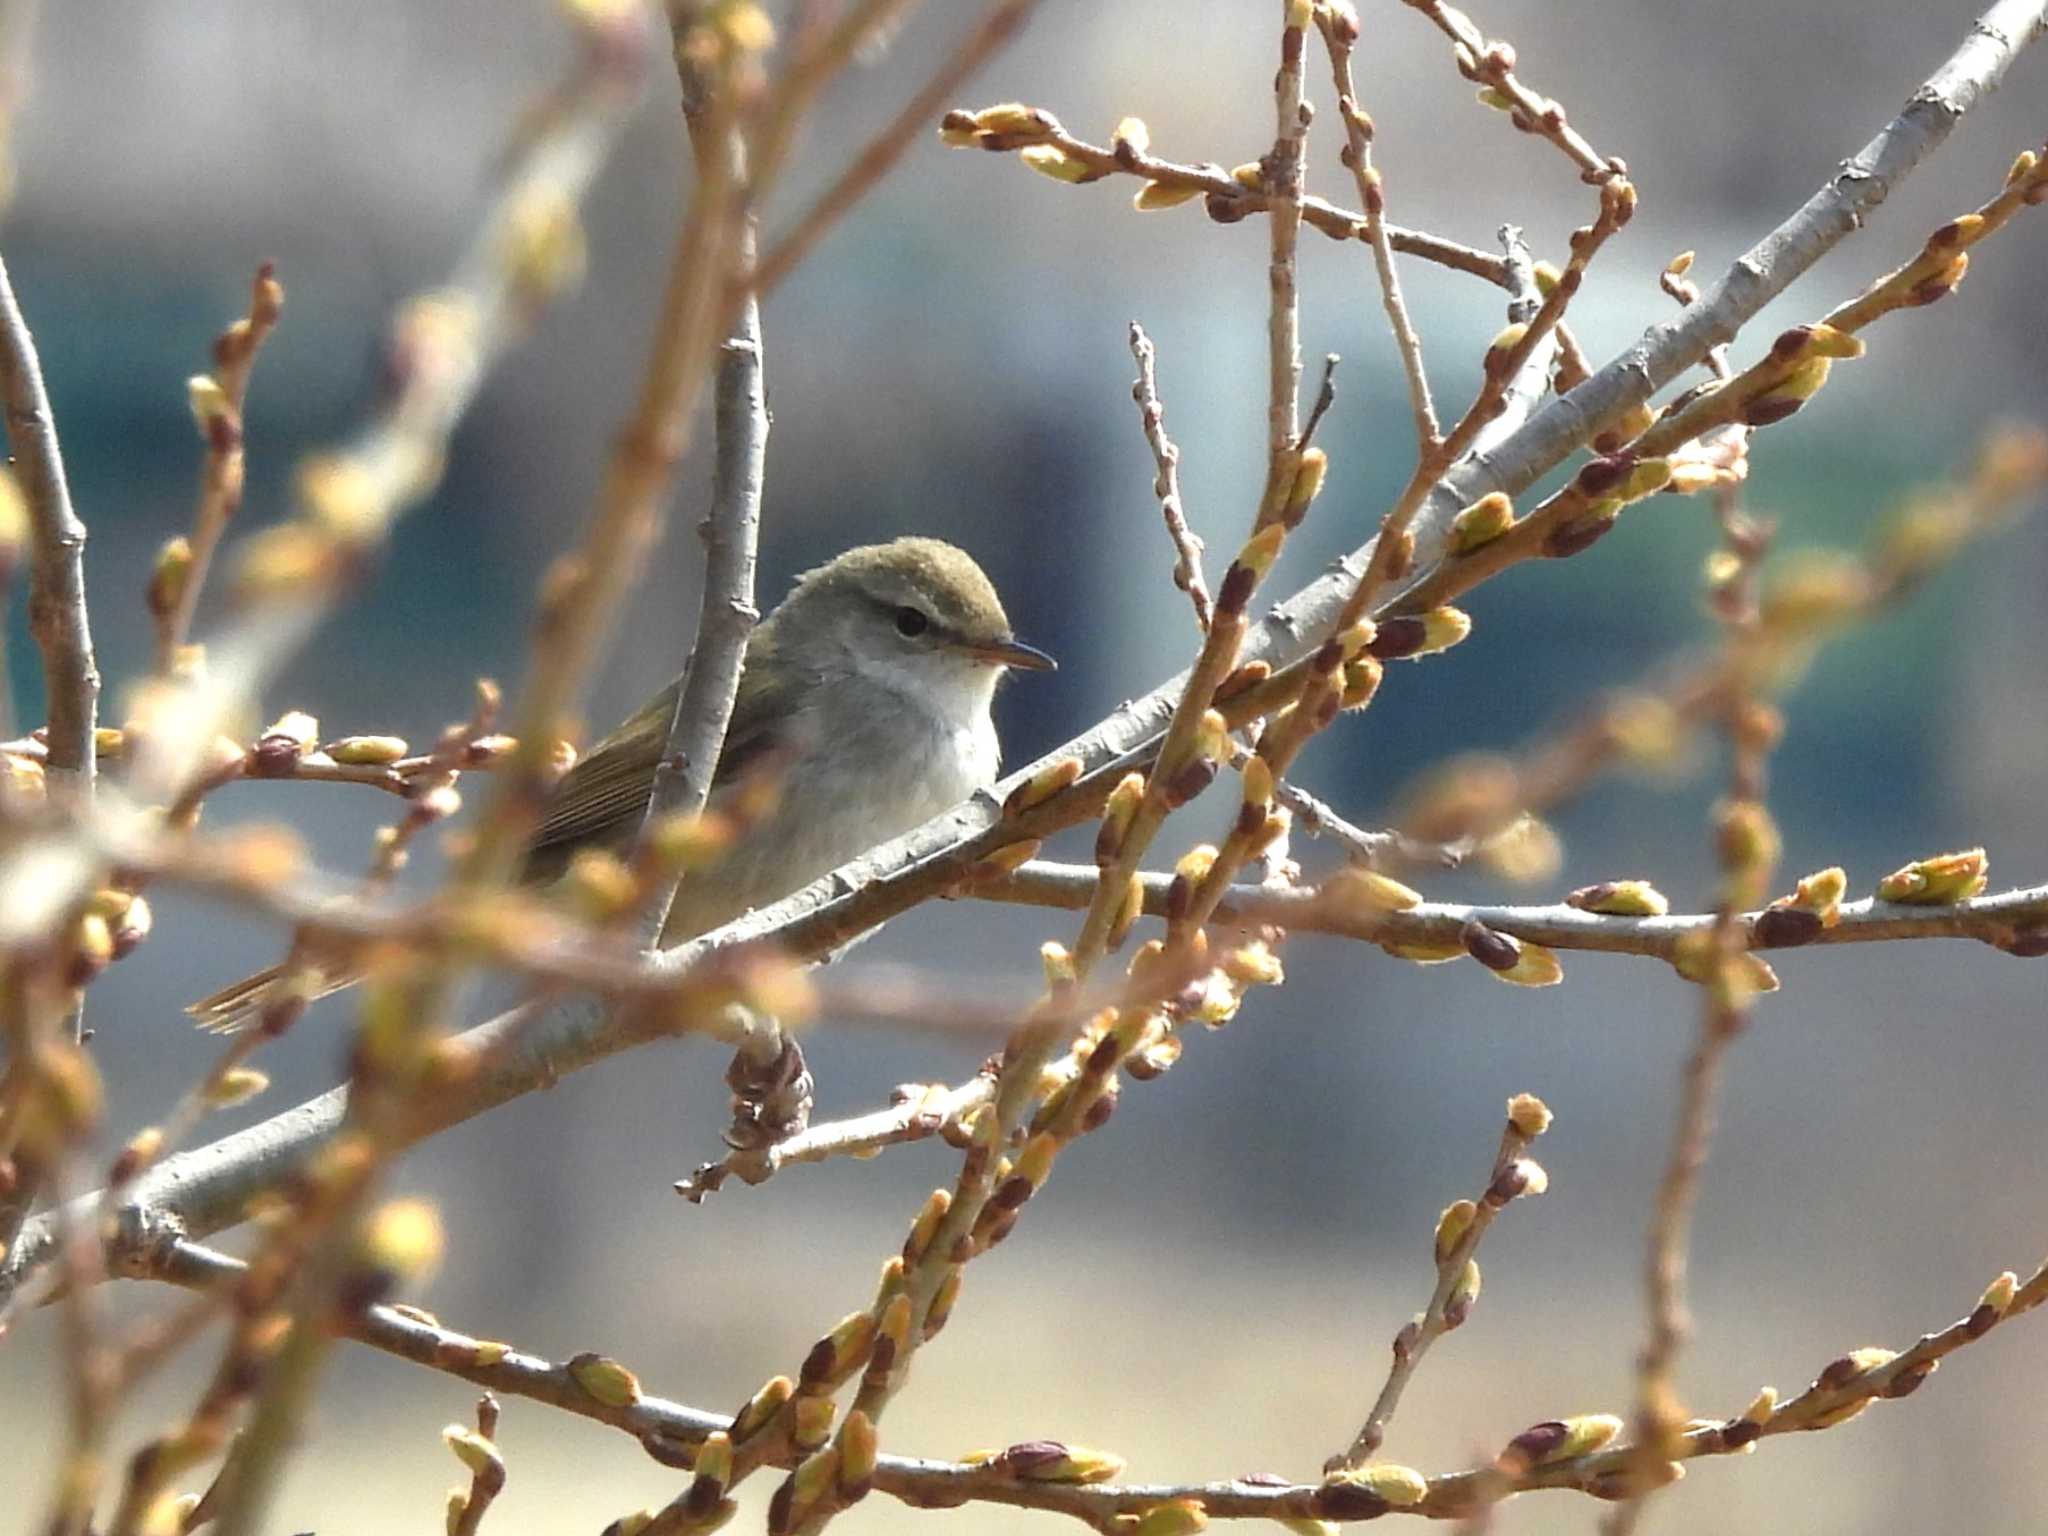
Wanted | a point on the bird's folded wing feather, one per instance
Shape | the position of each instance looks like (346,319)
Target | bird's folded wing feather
(601,801)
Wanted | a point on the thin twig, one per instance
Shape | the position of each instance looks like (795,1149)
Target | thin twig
(1747,845)
(218,402)
(1492,65)
(487,1475)
(1187,544)
(1340,33)
(1229,201)
(1326,396)
(919,1111)
(1457,1249)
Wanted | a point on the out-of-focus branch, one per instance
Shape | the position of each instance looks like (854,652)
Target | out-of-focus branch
(444,341)
(1747,845)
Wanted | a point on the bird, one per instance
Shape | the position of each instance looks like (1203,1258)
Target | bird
(866,694)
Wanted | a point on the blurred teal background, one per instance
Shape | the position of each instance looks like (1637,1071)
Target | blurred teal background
(1208,1286)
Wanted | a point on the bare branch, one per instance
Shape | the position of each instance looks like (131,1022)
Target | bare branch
(56,603)
(1187,544)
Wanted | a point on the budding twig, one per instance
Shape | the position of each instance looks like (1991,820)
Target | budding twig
(1458,1235)
(1187,545)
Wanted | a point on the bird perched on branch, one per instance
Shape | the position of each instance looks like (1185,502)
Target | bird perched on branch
(867,694)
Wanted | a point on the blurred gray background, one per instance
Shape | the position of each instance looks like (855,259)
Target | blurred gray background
(1209,1285)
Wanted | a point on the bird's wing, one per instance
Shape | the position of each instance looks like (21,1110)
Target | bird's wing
(600,801)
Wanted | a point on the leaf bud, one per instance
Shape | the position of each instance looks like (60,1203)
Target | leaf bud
(1481,523)
(761,1409)
(1529,1115)
(1359,890)
(1361,682)
(1503,345)
(1176,1517)
(235,1086)
(1050,160)
(373,751)
(1007,117)
(1452,1226)
(1116,818)
(167,580)
(1939,881)
(1309,474)
(1464,1296)
(1157,195)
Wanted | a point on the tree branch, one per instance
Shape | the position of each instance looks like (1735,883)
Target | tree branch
(56,603)
(210,1186)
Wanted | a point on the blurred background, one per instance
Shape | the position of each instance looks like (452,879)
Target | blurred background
(1209,1285)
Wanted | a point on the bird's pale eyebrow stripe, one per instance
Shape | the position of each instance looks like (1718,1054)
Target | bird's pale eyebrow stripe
(939,626)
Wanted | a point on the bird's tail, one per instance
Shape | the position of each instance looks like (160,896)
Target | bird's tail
(291,985)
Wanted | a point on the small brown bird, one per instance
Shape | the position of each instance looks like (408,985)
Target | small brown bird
(868,689)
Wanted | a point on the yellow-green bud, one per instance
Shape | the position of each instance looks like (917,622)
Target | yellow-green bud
(474,1451)
(605,1379)
(1309,474)
(1443,628)
(1620,898)
(1452,1226)
(167,580)
(1050,160)
(1360,890)
(1176,1517)
(1648,477)
(1157,195)
(1481,523)
(370,750)
(235,1086)
(1822,892)
(1945,878)
(1007,117)
(1529,1115)
(1254,965)
(1400,1486)
(1537,966)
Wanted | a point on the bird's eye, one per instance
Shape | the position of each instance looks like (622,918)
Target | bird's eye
(911,622)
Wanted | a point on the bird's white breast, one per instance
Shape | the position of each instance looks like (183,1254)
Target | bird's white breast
(866,765)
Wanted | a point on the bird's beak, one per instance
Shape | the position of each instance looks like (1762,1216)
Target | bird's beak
(1012,653)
